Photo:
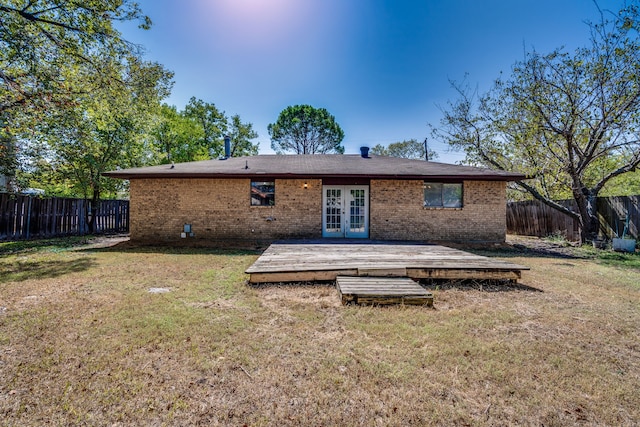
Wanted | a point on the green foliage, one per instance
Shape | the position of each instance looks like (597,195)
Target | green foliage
(73,92)
(76,100)
(408,149)
(303,129)
(197,134)
(211,124)
(241,135)
(40,40)
(173,138)
(623,185)
(568,120)
(101,131)
(8,152)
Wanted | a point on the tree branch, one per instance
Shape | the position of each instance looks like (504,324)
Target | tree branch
(629,167)
(33,18)
(531,190)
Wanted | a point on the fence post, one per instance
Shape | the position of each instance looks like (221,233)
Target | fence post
(28,227)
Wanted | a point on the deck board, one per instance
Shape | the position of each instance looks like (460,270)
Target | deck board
(291,262)
(382,291)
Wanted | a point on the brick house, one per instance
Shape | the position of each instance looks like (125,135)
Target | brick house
(269,197)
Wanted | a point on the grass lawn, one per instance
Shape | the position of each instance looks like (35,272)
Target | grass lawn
(84,342)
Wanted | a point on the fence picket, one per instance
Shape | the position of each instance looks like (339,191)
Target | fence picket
(27,217)
(534,218)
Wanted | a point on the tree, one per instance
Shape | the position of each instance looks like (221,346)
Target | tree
(53,56)
(304,129)
(41,39)
(173,138)
(197,134)
(211,124)
(408,149)
(8,155)
(241,135)
(571,121)
(103,131)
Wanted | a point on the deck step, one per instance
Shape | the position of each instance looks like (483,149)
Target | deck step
(382,291)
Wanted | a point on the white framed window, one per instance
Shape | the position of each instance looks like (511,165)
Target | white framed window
(263,193)
(442,195)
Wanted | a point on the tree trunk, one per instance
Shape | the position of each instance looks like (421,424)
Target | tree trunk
(589,222)
(91,221)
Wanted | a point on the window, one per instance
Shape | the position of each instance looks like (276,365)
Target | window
(442,195)
(263,193)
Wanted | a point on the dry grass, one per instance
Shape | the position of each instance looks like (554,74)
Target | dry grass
(83,342)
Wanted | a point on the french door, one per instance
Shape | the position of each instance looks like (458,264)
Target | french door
(345,211)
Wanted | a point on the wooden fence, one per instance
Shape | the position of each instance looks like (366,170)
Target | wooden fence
(29,217)
(534,218)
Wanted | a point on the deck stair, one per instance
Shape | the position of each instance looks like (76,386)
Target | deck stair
(376,290)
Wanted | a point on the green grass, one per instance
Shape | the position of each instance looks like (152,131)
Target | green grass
(611,258)
(82,341)
(42,245)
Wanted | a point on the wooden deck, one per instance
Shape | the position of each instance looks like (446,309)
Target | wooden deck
(301,262)
(382,291)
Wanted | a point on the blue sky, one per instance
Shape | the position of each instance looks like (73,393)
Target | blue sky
(381,67)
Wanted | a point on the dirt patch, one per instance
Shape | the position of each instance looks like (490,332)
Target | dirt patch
(543,247)
(107,241)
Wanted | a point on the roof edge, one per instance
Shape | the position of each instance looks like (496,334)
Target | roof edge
(512,176)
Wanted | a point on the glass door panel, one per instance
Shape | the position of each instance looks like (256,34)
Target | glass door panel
(345,211)
(358,212)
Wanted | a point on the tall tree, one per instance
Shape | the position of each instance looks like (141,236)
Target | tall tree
(8,155)
(103,132)
(211,124)
(303,129)
(197,134)
(241,135)
(408,149)
(569,120)
(52,57)
(173,138)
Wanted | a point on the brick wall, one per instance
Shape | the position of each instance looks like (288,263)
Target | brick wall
(397,213)
(219,209)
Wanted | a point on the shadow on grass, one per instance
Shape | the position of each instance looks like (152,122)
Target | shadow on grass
(487,285)
(319,283)
(60,244)
(22,271)
(522,251)
(586,252)
(477,285)
(126,247)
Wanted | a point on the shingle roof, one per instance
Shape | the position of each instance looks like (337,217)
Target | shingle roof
(316,166)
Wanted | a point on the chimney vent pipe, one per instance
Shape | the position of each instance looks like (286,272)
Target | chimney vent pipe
(227,146)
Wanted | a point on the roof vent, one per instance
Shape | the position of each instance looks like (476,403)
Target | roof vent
(364,152)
